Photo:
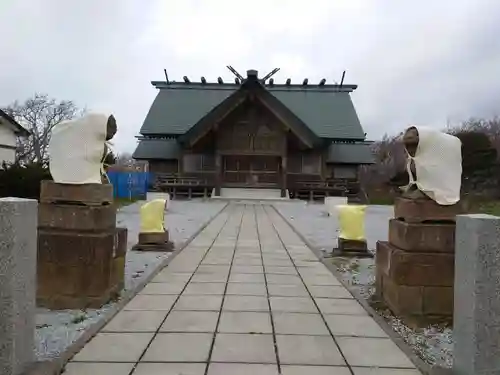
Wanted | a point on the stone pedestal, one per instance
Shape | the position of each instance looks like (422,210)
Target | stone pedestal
(18,227)
(415,268)
(81,253)
(154,242)
(353,248)
(425,210)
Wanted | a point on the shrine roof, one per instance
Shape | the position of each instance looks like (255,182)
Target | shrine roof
(327,110)
(351,153)
(161,149)
(338,153)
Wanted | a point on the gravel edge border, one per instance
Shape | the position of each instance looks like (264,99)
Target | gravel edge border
(421,365)
(56,365)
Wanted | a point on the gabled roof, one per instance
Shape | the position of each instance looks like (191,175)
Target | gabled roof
(327,110)
(350,153)
(251,88)
(18,128)
(160,149)
(178,107)
(328,113)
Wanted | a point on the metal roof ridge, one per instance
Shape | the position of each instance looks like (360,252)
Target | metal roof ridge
(234,86)
(312,88)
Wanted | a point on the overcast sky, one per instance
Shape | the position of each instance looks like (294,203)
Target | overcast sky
(416,62)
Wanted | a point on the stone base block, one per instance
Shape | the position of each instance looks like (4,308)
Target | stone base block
(352,248)
(415,302)
(413,285)
(154,242)
(153,238)
(160,247)
(414,268)
(422,210)
(76,217)
(86,194)
(421,237)
(80,270)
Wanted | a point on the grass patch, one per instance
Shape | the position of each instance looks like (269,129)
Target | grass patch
(354,266)
(491,208)
(381,201)
(79,318)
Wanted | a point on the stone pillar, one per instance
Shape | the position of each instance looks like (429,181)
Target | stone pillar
(415,268)
(218,174)
(476,327)
(18,241)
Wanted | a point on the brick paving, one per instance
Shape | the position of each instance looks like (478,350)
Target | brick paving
(247,296)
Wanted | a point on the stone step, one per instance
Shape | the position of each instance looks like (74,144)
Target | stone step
(250,194)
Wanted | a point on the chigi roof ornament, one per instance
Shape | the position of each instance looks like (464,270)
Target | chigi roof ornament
(239,77)
(270,74)
(253,74)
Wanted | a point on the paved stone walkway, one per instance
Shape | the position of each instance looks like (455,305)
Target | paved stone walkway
(247,296)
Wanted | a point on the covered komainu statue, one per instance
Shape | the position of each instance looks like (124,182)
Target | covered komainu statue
(77,220)
(419,254)
(77,149)
(434,165)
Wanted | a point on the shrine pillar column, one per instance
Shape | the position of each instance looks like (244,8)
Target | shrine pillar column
(218,174)
(283,175)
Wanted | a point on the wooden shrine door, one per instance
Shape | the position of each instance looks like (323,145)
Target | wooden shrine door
(251,170)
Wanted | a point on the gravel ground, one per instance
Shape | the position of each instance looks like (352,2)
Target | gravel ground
(56,330)
(433,344)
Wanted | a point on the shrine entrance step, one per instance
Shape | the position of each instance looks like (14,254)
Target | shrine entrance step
(250,194)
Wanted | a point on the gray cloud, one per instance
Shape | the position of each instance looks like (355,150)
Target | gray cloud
(422,62)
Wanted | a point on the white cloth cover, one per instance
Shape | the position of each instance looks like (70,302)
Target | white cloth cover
(438,164)
(76,149)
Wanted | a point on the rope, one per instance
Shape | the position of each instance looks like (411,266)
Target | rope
(107,149)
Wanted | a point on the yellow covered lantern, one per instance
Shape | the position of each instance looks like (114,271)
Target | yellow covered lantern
(352,222)
(153,216)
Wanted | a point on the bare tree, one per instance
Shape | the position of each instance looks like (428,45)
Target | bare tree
(125,159)
(390,156)
(39,115)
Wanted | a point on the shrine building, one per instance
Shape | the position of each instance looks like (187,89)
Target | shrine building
(303,140)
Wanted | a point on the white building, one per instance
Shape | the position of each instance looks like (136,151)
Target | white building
(10,130)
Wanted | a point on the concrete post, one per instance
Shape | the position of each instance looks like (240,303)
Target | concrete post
(476,328)
(18,258)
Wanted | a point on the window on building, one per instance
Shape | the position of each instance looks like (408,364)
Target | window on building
(198,163)
(294,164)
(304,163)
(349,172)
(311,164)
